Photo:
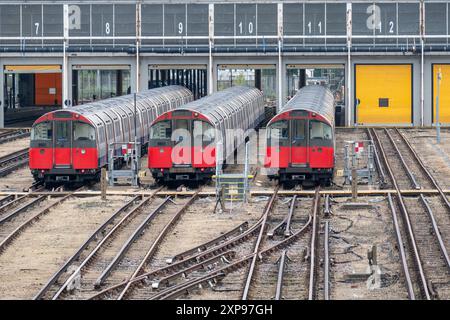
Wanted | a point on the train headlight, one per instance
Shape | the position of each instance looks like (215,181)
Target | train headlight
(83,151)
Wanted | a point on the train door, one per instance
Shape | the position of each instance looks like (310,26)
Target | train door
(181,154)
(62,142)
(299,142)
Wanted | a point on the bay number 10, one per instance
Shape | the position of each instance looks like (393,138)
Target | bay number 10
(241,27)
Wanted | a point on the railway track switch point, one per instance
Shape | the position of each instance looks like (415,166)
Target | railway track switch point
(327,206)
(75,283)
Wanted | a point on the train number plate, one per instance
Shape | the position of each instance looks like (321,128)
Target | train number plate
(62,178)
(181,170)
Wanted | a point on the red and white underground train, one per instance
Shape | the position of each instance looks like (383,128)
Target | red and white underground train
(183,142)
(300,139)
(71,145)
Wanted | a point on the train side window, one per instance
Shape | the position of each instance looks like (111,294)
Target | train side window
(161,130)
(320,130)
(101,134)
(83,131)
(42,131)
(118,130)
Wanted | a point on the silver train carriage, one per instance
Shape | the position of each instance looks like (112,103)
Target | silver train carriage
(72,144)
(233,108)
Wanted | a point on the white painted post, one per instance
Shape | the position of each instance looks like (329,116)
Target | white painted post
(422,53)
(138,41)
(280,60)
(349,65)
(211,44)
(246,185)
(65,73)
(438,124)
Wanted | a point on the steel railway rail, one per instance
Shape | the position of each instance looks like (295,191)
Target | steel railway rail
(15,212)
(284,225)
(96,234)
(313,254)
(326,263)
(422,279)
(13,161)
(120,254)
(27,223)
(13,135)
(432,245)
(257,245)
(190,259)
(424,168)
(212,254)
(10,201)
(293,277)
(110,230)
(220,273)
(9,205)
(126,246)
(5,200)
(156,243)
(280,277)
(380,169)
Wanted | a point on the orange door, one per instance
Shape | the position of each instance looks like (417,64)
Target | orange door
(47,88)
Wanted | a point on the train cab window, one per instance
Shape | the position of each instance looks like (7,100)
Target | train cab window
(83,131)
(279,130)
(298,130)
(181,130)
(203,133)
(320,130)
(42,131)
(62,132)
(161,130)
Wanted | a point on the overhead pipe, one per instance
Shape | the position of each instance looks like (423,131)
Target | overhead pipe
(266,49)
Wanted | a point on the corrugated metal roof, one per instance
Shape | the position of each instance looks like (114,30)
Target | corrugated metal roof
(314,98)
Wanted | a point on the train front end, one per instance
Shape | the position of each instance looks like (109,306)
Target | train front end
(300,140)
(63,149)
(182,147)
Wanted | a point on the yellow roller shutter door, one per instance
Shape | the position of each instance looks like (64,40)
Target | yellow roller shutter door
(384,93)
